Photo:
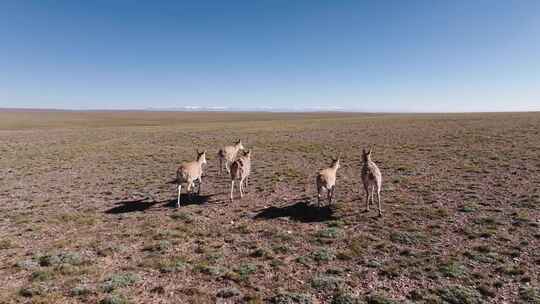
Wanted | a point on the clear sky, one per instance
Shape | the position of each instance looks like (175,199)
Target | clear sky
(432,55)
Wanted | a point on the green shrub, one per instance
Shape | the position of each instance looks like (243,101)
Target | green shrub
(459,295)
(323,255)
(119,281)
(114,299)
(291,298)
(326,283)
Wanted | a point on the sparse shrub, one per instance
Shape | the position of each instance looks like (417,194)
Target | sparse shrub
(109,249)
(336,223)
(323,255)
(530,295)
(407,238)
(391,271)
(206,269)
(511,270)
(6,244)
(42,275)
(33,290)
(260,253)
(330,233)
(114,299)
(281,249)
(27,264)
(276,263)
(453,270)
(182,216)
(245,270)
(490,221)
(486,290)
(161,246)
(49,260)
(304,260)
(379,299)
(468,207)
(119,281)
(174,265)
(373,264)
(344,298)
(459,295)
(80,291)
(344,255)
(326,283)
(291,298)
(228,292)
(70,258)
(243,229)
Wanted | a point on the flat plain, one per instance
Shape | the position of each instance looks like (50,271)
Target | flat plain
(87,209)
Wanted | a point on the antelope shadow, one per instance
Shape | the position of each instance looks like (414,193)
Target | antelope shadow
(300,211)
(144,204)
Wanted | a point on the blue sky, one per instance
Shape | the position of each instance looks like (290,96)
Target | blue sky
(432,55)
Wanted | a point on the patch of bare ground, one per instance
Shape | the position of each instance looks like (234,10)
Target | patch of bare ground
(87,209)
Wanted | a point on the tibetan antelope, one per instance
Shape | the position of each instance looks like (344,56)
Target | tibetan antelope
(371,178)
(190,172)
(326,179)
(240,170)
(228,155)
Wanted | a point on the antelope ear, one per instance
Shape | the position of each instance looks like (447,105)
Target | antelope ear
(363,151)
(204,152)
(198,151)
(370,149)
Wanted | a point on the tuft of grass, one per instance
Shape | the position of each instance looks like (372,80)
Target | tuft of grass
(114,299)
(260,253)
(32,291)
(453,270)
(206,269)
(336,223)
(281,249)
(408,238)
(511,270)
(70,258)
(291,298)
(469,207)
(326,283)
(379,299)
(161,246)
(119,281)
(459,295)
(530,295)
(329,233)
(323,255)
(6,244)
(228,292)
(344,298)
(182,216)
(42,275)
(27,264)
(304,260)
(245,270)
(80,291)
(171,265)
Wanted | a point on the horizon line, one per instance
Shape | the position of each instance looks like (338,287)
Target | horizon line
(253,110)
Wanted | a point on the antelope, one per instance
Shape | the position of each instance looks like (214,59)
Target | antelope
(240,170)
(228,154)
(190,172)
(371,178)
(326,179)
